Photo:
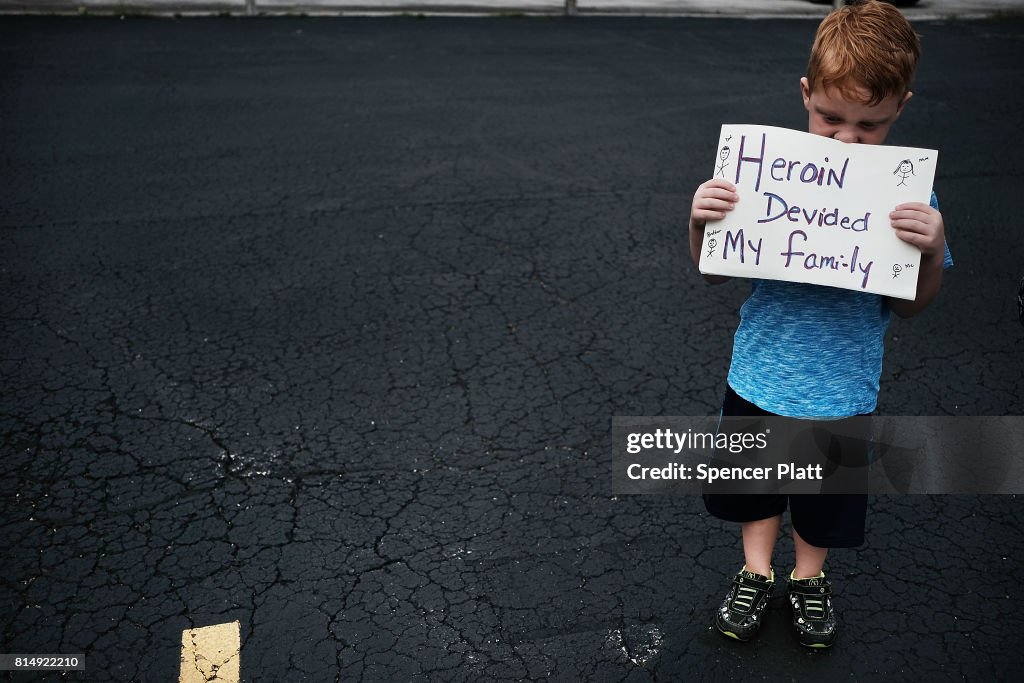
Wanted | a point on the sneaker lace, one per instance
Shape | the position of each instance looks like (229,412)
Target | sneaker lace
(744,597)
(814,607)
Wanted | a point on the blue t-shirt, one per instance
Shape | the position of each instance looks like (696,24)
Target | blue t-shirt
(809,350)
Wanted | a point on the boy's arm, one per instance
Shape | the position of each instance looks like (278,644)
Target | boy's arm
(711,202)
(921,225)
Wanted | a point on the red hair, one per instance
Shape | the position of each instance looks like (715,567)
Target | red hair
(864,46)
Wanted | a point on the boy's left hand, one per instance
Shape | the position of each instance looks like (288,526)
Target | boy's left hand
(919,224)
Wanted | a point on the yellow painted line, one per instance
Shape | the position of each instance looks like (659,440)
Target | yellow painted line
(210,654)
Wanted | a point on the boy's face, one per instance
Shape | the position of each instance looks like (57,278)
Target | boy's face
(832,115)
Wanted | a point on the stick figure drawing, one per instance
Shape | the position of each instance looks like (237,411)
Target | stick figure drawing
(904,171)
(712,243)
(723,155)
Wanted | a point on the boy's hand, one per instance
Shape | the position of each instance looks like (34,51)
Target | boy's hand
(919,224)
(712,201)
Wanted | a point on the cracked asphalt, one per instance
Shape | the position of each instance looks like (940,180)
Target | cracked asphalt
(320,325)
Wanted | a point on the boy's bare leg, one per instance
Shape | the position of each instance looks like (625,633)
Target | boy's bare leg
(758,543)
(809,558)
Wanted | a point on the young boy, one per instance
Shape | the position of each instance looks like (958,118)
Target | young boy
(806,351)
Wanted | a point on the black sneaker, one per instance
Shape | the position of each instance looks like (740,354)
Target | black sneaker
(739,616)
(813,618)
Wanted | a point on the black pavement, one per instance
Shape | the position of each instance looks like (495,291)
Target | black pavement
(320,325)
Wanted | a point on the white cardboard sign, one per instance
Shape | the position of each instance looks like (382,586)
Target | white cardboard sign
(813,209)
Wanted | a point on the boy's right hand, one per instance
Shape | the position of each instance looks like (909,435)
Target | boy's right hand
(712,201)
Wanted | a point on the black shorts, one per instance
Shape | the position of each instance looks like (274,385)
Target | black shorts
(823,520)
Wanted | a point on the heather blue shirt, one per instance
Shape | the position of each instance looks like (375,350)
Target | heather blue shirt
(809,350)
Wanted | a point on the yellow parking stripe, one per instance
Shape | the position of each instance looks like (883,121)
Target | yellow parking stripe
(210,654)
